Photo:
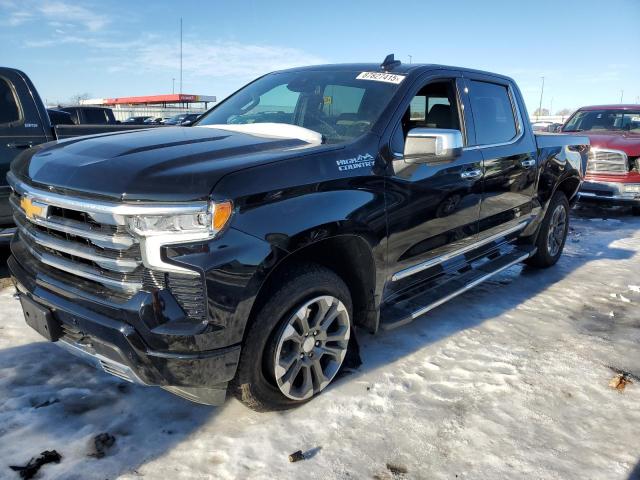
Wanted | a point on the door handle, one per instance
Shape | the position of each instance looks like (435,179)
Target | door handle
(528,163)
(471,174)
(20,145)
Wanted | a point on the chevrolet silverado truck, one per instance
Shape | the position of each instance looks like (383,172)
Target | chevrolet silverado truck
(246,253)
(25,122)
(613,168)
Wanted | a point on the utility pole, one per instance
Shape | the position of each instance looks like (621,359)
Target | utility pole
(540,105)
(410,58)
(551,107)
(621,95)
(173,86)
(180,55)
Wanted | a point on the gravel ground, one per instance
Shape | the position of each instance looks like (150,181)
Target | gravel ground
(509,380)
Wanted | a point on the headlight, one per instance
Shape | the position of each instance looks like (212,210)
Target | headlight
(154,231)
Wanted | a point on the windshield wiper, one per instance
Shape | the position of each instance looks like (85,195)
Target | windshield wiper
(574,130)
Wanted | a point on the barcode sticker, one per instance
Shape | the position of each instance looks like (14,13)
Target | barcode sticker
(381,77)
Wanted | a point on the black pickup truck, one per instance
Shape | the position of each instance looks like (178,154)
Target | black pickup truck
(25,122)
(247,252)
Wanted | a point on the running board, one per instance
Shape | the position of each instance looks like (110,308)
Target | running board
(407,310)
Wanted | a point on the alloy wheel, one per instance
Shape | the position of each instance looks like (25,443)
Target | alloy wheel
(557,229)
(311,347)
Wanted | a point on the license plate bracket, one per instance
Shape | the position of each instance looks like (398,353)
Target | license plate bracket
(40,319)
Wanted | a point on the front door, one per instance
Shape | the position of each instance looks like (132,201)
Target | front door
(432,208)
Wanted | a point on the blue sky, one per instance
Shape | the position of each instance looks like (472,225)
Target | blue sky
(588,51)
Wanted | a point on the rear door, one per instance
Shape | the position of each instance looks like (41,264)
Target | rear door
(432,208)
(509,154)
(21,127)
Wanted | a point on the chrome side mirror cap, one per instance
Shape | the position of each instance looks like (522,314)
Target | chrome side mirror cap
(432,145)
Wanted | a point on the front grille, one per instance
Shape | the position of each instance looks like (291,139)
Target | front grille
(74,242)
(607,161)
(93,249)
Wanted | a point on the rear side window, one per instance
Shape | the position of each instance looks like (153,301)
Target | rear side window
(492,112)
(95,116)
(9,111)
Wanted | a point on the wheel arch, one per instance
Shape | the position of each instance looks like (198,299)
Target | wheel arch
(350,257)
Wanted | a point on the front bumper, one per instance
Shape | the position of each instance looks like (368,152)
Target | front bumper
(113,344)
(614,193)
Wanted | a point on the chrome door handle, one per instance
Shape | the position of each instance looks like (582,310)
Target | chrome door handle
(471,174)
(20,145)
(528,163)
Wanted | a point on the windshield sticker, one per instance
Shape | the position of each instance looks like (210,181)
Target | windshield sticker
(381,77)
(360,161)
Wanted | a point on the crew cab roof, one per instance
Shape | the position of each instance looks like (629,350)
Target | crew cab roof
(618,106)
(402,69)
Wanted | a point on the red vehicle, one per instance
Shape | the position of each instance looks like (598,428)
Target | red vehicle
(613,168)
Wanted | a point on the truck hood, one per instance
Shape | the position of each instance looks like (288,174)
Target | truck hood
(624,141)
(160,164)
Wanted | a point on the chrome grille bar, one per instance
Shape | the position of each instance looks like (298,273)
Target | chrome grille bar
(612,162)
(81,270)
(78,229)
(77,250)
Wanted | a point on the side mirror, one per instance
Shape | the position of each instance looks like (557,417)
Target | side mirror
(432,145)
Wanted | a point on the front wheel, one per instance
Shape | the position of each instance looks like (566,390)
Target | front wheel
(297,342)
(553,233)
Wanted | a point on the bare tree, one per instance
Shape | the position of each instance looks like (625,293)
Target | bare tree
(75,99)
(541,112)
(565,112)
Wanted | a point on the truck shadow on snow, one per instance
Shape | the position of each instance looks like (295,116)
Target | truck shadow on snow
(51,400)
(587,241)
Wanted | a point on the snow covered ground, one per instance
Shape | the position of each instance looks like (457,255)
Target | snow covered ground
(509,380)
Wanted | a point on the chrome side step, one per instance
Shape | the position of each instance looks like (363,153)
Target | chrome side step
(404,312)
(447,256)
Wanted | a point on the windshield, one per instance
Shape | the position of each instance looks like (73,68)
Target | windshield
(337,105)
(610,120)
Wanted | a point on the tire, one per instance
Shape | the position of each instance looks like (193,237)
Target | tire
(635,210)
(277,332)
(553,233)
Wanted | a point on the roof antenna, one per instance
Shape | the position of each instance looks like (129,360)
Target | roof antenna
(390,63)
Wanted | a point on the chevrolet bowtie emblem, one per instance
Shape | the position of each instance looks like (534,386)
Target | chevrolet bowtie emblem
(32,209)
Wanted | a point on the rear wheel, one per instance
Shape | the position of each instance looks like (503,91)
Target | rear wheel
(553,233)
(297,342)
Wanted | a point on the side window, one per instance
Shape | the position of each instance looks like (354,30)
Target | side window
(434,106)
(492,112)
(95,116)
(9,110)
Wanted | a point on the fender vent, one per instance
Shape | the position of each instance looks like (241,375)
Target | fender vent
(190,293)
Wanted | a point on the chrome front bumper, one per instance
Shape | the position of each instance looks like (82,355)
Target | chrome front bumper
(615,192)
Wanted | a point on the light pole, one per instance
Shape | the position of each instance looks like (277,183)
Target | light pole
(173,86)
(540,105)
(410,58)
(621,95)
(180,55)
